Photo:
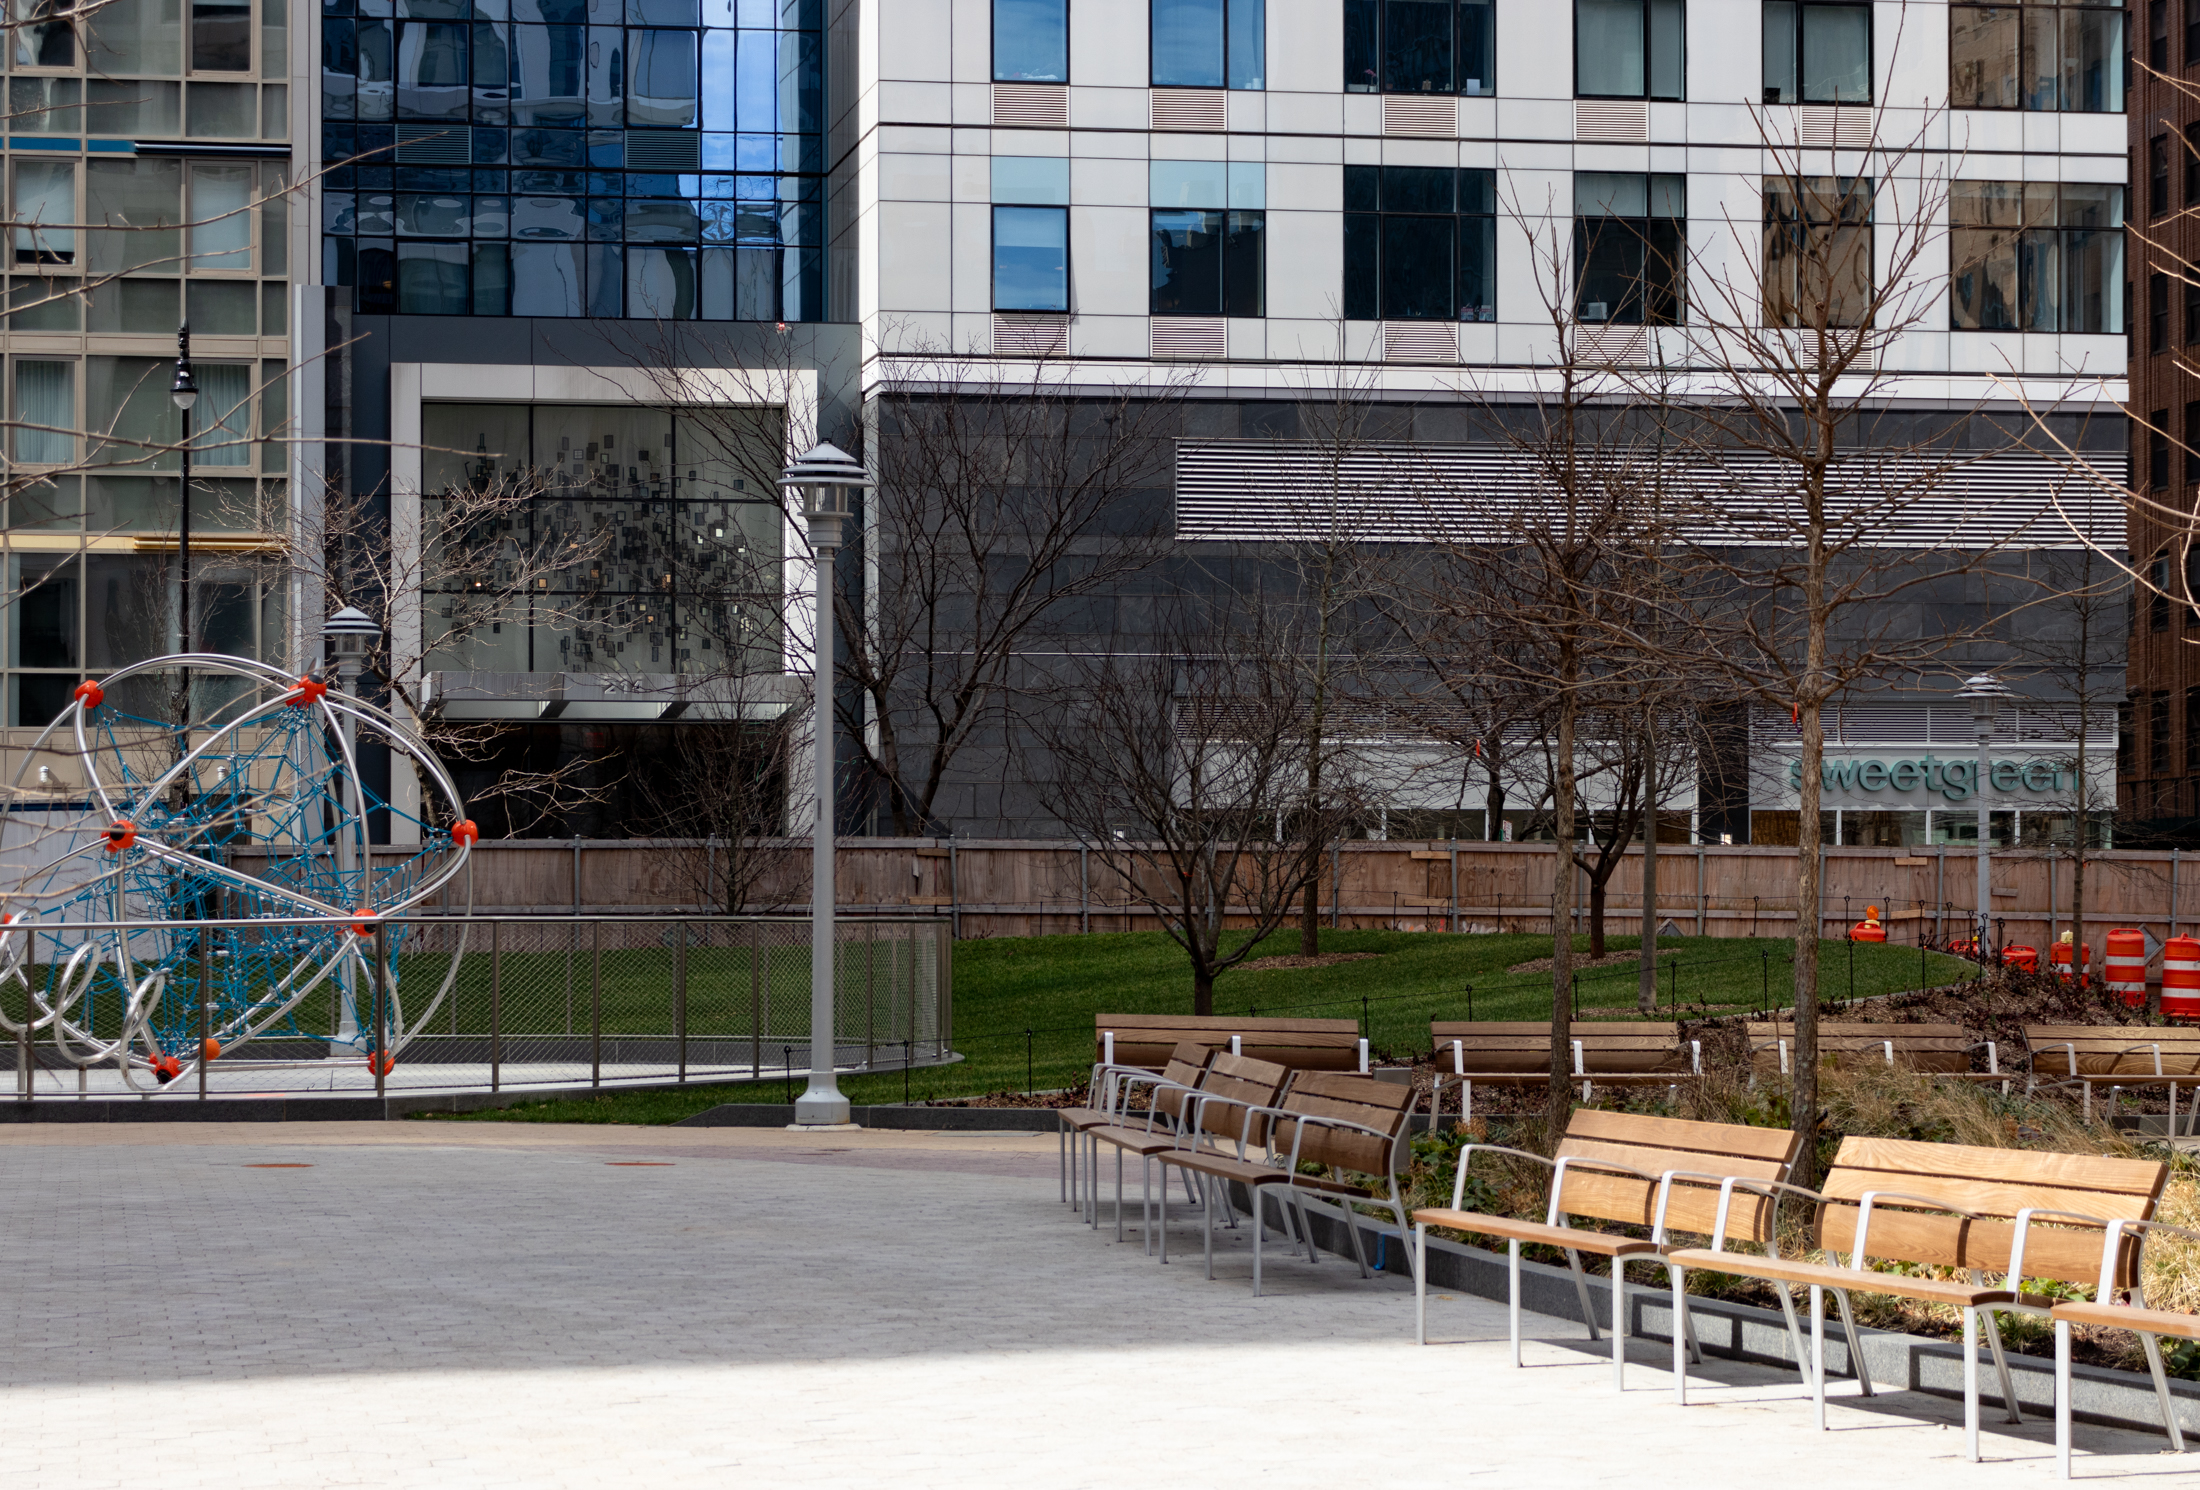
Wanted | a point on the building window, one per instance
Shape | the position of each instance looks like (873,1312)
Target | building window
(2157,733)
(1817,53)
(2157,313)
(2192,32)
(1818,250)
(1209,43)
(2192,729)
(45,209)
(2192,473)
(1420,46)
(1208,247)
(1031,258)
(1630,49)
(2158,34)
(2158,449)
(2157,175)
(2043,57)
(2034,256)
(2123,738)
(1030,41)
(1419,244)
(1631,248)
(45,412)
(692,584)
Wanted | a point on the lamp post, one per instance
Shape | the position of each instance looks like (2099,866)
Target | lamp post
(184,392)
(829,478)
(350,635)
(1985,693)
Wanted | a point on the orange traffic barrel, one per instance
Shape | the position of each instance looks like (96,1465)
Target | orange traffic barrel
(2181,978)
(2127,966)
(2059,957)
(2024,959)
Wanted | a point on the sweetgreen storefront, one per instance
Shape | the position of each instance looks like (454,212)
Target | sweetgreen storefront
(1907,775)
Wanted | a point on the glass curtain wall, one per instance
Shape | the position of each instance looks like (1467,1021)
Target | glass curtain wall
(2036,256)
(660,160)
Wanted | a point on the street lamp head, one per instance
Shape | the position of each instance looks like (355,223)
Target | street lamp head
(185,389)
(1985,693)
(829,478)
(351,633)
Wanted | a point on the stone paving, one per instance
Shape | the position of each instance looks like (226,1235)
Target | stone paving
(484,1305)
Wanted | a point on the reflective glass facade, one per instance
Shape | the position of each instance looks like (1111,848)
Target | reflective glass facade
(649,159)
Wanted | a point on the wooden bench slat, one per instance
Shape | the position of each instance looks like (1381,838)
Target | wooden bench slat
(2016,1166)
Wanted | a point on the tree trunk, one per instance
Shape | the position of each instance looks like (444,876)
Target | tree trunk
(1596,917)
(1203,991)
(1558,1099)
(1646,985)
(1804,1093)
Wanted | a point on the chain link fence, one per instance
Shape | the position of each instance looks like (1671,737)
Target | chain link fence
(566,1001)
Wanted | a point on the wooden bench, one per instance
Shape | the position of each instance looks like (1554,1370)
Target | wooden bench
(1633,1170)
(1230,1095)
(1350,1123)
(1296,1044)
(2116,1056)
(1518,1053)
(2148,1324)
(1939,1049)
(1124,1094)
(1942,1205)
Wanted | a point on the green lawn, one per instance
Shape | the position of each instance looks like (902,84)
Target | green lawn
(1024,1007)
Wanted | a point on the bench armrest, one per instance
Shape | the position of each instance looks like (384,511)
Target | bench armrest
(2115,1236)
(1858,1256)
(1201,1101)
(1467,1150)
(1302,1119)
(1728,1184)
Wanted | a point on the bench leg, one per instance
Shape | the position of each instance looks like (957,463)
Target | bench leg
(1970,1385)
(1258,1228)
(1163,1227)
(1619,1324)
(1119,1195)
(2161,1392)
(1207,1226)
(2001,1367)
(1299,1227)
(1795,1334)
(1145,1206)
(1818,1356)
(1352,1230)
(1862,1371)
(2062,1399)
(1680,1332)
(1512,1297)
(1420,1284)
(1061,1156)
(1581,1292)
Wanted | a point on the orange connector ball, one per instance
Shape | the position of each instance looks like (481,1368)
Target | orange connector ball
(120,835)
(466,833)
(213,1050)
(309,690)
(380,1063)
(167,1067)
(90,694)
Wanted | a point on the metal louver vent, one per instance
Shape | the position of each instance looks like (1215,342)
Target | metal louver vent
(663,150)
(1189,336)
(1410,114)
(1626,120)
(1257,490)
(435,144)
(1030,335)
(1190,108)
(1828,127)
(1420,341)
(1033,105)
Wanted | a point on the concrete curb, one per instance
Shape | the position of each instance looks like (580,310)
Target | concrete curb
(1898,1362)
(922,1119)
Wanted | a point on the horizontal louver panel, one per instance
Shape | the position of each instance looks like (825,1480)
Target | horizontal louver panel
(1245,490)
(434,144)
(1033,105)
(663,150)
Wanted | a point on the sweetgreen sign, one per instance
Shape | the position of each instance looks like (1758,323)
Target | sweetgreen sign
(1952,780)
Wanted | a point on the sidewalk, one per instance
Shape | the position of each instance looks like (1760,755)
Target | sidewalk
(463,1305)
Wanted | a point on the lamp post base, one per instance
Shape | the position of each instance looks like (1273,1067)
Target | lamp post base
(822,1109)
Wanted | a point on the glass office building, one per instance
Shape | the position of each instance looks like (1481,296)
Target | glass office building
(645,159)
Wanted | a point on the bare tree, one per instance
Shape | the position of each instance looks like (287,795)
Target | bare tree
(1183,770)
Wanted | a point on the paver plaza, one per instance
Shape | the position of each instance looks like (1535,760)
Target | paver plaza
(459,1305)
